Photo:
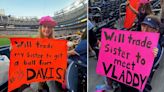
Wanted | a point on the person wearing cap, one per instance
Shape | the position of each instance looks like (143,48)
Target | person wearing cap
(46,25)
(143,10)
(152,24)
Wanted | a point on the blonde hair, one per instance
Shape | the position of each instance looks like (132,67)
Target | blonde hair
(40,35)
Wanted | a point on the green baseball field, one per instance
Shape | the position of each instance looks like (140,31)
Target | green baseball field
(4,40)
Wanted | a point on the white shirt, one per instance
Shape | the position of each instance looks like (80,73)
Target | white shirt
(4,67)
(4,58)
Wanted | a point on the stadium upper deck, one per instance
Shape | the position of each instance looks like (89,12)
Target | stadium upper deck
(70,18)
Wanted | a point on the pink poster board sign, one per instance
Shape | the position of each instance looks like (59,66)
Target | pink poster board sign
(127,57)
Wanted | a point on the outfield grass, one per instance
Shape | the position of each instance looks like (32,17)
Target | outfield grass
(4,41)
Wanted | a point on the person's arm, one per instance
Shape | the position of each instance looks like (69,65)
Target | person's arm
(72,52)
(131,8)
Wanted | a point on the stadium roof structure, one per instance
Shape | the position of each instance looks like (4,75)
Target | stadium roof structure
(76,9)
(75,14)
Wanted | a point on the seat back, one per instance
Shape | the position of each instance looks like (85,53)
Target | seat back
(76,73)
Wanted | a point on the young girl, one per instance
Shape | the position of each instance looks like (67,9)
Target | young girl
(46,29)
(46,25)
(150,24)
(143,10)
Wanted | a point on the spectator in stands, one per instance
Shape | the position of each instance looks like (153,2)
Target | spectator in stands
(143,10)
(150,24)
(78,56)
(80,51)
(46,25)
